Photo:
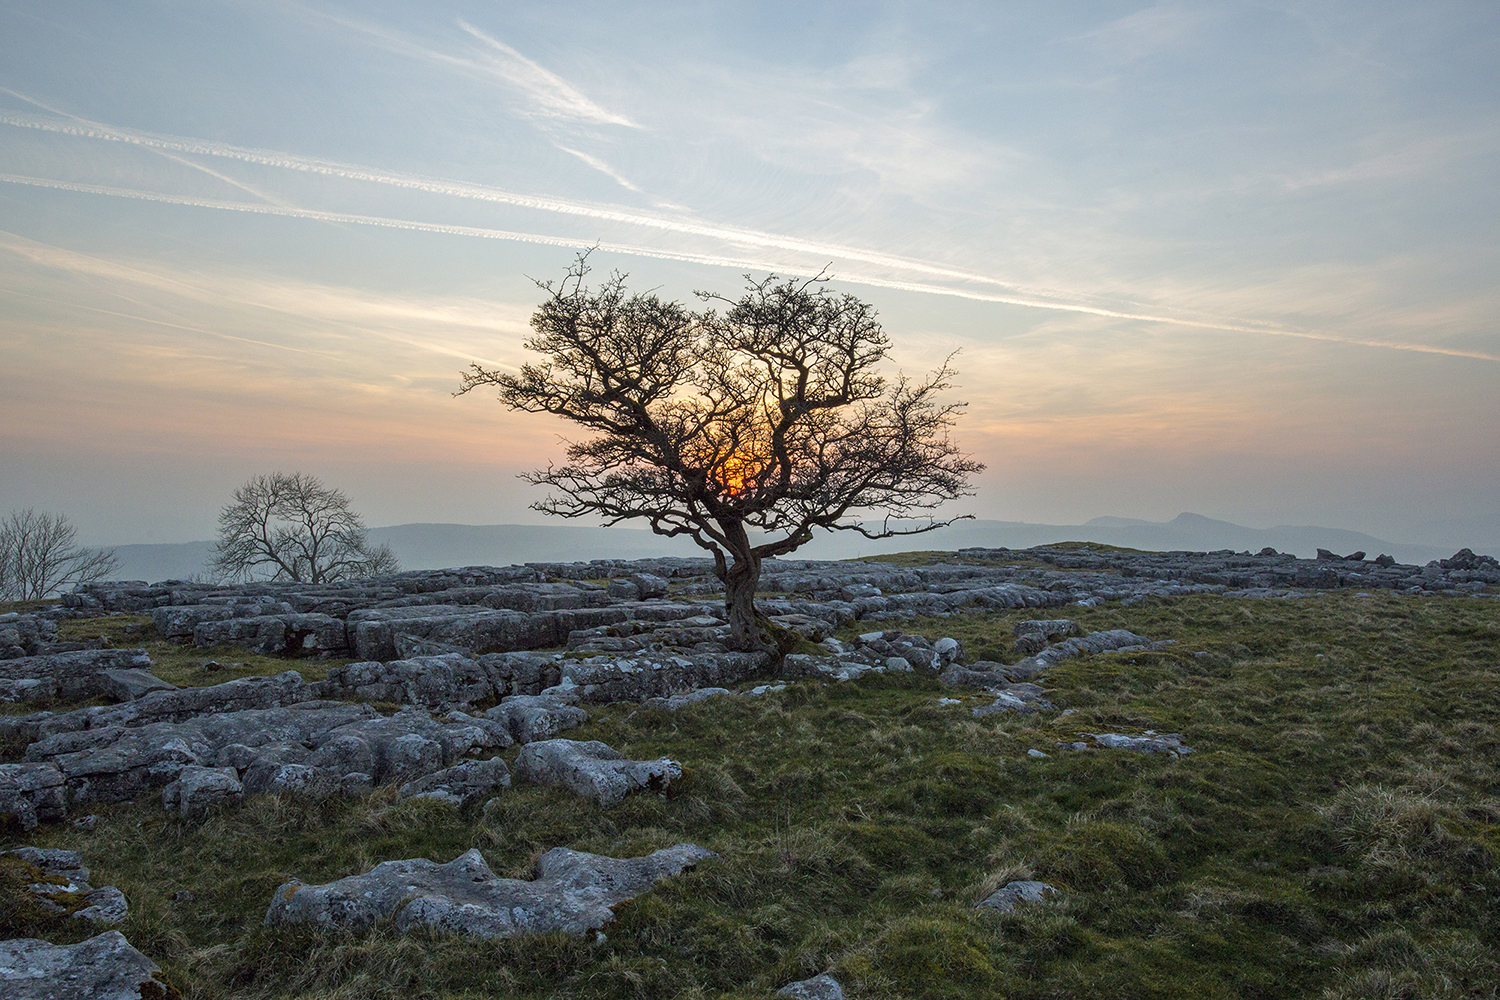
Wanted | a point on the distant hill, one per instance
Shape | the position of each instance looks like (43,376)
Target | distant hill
(436,546)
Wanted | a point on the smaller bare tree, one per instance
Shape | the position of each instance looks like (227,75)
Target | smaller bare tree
(292,527)
(40,556)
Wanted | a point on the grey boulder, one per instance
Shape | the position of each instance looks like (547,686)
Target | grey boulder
(198,789)
(104,967)
(32,793)
(593,770)
(532,717)
(573,893)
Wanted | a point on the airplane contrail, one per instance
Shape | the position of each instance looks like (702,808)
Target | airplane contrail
(716,261)
(481,192)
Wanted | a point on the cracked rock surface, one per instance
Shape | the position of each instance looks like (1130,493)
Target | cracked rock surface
(573,893)
(313,748)
(104,967)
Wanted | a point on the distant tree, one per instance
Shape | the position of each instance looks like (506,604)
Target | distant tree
(770,420)
(40,556)
(292,527)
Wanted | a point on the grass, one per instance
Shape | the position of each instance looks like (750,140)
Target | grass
(1336,834)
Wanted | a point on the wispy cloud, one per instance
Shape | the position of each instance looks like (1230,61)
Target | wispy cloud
(479,192)
(547,94)
(599,165)
(466,329)
(722,261)
(547,90)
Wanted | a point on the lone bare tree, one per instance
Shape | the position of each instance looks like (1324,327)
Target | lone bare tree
(292,527)
(40,555)
(746,430)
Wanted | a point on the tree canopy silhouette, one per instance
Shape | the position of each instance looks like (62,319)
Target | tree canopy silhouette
(746,430)
(292,527)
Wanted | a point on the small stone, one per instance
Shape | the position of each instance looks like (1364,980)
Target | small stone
(1033,752)
(1005,898)
(820,987)
(182,896)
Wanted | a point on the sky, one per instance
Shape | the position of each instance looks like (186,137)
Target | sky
(1233,258)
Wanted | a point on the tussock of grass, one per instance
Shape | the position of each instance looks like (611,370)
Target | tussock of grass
(1336,833)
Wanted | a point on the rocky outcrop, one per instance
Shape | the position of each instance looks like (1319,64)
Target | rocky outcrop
(572,893)
(313,749)
(593,770)
(62,886)
(76,675)
(25,634)
(239,695)
(104,967)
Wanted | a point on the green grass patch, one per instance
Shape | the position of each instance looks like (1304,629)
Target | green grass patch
(1336,833)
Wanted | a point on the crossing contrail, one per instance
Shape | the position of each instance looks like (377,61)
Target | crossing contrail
(711,260)
(73,125)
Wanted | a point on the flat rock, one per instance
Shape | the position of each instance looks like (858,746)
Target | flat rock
(104,967)
(1149,743)
(71,675)
(573,893)
(1007,896)
(593,770)
(442,681)
(131,683)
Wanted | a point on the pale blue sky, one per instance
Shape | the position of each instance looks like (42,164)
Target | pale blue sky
(1231,258)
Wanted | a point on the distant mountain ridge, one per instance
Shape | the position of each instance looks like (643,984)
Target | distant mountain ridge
(438,546)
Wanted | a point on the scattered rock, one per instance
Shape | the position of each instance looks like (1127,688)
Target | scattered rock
(64,886)
(1149,743)
(1006,897)
(820,987)
(572,893)
(104,967)
(130,684)
(676,701)
(593,770)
